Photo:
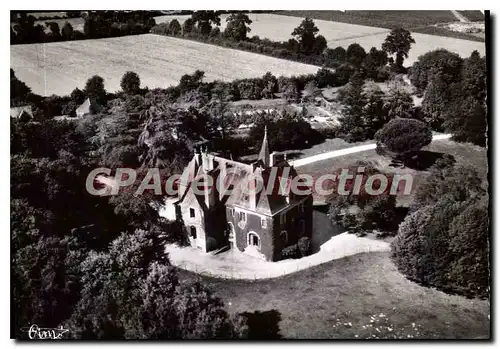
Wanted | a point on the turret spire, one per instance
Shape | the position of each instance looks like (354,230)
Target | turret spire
(264,150)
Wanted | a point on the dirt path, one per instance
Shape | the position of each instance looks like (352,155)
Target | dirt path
(460,17)
(234,264)
(347,151)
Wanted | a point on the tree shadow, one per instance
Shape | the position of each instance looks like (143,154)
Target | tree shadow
(400,214)
(422,160)
(323,228)
(263,325)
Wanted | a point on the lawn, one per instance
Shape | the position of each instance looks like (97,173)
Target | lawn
(464,154)
(360,296)
(473,15)
(59,67)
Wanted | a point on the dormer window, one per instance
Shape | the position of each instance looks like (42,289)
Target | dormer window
(243,217)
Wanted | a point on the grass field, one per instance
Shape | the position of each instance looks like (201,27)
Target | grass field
(473,15)
(361,296)
(464,154)
(416,21)
(383,19)
(279,28)
(57,68)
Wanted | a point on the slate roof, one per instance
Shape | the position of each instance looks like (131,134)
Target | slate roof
(17,112)
(86,107)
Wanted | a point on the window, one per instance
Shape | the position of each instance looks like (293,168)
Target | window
(263,222)
(231,212)
(253,240)
(193,232)
(301,207)
(302,226)
(283,219)
(191,212)
(284,236)
(243,217)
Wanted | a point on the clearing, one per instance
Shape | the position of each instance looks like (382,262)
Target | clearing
(160,61)
(234,264)
(360,296)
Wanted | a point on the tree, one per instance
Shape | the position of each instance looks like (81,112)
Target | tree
(19,91)
(465,114)
(67,31)
(362,212)
(355,54)
(440,62)
(445,245)
(55,32)
(285,131)
(373,62)
(460,183)
(399,101)
(94,88)
(204,20)
(320,45)
(375,110)
(219,108)
(132,292)
(77,96)
(398,42)
(335,57)
(270,85)
(187,26)
(305,34)
(191,82)
(174,27)
(130,83)
(352,123)
(403,136)
(470,270)
(236,27)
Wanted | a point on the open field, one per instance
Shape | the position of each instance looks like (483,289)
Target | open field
(472,15)
(59,67)
(426,22)
(279,28)
(383,19)
(423,44)
(359,296)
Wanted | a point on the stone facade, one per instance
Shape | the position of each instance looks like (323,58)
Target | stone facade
(260,223)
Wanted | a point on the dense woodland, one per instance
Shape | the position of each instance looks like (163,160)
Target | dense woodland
(112,246)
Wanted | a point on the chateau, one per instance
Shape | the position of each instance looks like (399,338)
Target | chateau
(258,222)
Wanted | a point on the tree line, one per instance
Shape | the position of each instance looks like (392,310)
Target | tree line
(306,44)
(97,24)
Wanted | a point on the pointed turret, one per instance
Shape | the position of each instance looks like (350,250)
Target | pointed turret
(264,149)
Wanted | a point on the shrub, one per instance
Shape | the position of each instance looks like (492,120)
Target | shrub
(445,245)
(402,136)
(438,62)
(291,251)
(304,245)
(174,28)
(130,83)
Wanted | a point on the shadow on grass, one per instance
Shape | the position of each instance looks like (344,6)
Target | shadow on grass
(263,325)
(323,228)
(422,160)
